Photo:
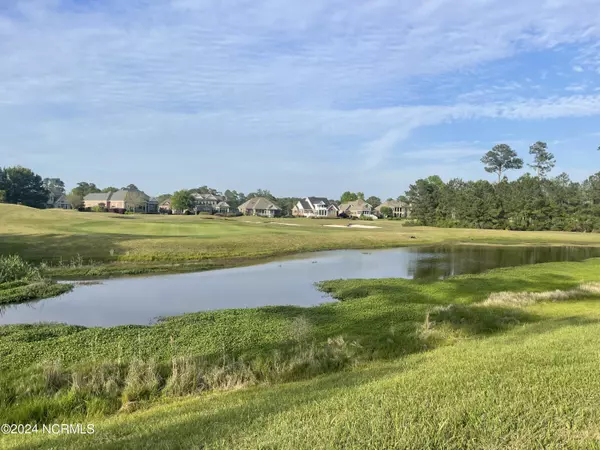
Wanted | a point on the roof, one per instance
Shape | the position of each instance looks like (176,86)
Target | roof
(259,203)
(99,197)
(208,197)
(117,196)
(315,200)
(305,205)
(223,205)
(356,205)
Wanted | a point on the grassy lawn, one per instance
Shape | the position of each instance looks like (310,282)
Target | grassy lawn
(125,245)
(505,359)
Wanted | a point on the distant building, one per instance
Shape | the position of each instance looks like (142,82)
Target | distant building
(260,206)
(399,208)
(58,201)
(315,207)
(121,201)
(356,208)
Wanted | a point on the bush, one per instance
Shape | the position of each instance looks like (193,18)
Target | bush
(13,268)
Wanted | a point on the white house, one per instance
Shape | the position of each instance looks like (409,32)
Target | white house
(315,207)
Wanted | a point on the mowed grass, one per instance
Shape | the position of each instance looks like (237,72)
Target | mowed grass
(108,244)
(468,362)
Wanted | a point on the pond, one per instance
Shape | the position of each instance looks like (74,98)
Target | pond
(286,282)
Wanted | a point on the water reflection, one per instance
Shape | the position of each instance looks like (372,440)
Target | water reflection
(286,282)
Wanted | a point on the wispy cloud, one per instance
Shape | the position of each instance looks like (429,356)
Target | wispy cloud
(247,82)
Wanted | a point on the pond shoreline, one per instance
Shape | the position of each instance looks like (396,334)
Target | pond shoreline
(286,281)
(135,269)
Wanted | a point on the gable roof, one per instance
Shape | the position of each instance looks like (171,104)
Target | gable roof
(118,196)
(259,203)
(98,197)
(316,200)
(356,205)
(305,205)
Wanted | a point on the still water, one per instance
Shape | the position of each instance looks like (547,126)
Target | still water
(286,282)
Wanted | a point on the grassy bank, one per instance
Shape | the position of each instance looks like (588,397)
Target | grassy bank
(89,245)
(455,363)
(21,282)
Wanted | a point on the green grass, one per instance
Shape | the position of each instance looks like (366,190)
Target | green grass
(21,282)
(104,245)
(394,364)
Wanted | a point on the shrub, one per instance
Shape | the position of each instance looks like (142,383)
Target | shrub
(13,268)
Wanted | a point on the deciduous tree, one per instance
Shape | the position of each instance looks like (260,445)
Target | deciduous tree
(21,186)
(182,201)
(348,197)
(374,201)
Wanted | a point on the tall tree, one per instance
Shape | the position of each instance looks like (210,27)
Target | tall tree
(22,186)
(75,200)
(109,189)
(130,187)
(55,186)
(182,201)
(544,161)
(136,199)
(500,159)
(348,197)
(84,188)
(374,201)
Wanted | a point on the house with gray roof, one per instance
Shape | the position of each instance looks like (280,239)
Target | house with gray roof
(121,201)
(319,207)
(59,201)
(260,206)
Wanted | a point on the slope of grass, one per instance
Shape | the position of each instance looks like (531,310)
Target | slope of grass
(454,363)
(108,244)
(533,386)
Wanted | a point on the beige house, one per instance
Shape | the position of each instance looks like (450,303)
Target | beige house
(260,206)
(356,208)
(121,201)
(399,208)
(315,207)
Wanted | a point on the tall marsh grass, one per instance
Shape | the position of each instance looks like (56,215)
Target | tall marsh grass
(102,388)
(14,268)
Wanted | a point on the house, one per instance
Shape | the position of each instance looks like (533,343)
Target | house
(58,201)
(260,206)
(206,203)
(165,207)
(355,208)
(315,207)
(121,201)
(399,208)
(223,208)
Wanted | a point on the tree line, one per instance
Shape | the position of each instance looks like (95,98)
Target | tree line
(532,202)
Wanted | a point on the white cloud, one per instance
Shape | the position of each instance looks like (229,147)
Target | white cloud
(237,83)
(577,69)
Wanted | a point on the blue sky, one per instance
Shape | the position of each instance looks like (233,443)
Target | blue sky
(302,98)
